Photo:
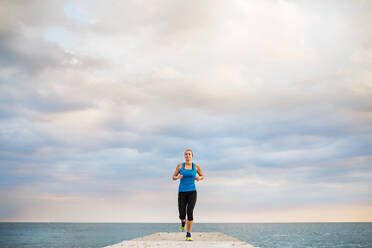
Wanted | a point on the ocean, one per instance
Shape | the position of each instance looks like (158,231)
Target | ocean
(84,235)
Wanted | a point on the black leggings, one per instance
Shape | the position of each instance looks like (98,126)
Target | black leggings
(186,203)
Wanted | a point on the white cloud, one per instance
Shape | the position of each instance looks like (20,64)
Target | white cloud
(272,96)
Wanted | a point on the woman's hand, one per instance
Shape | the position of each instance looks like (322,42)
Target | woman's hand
(176,174)
(197,178)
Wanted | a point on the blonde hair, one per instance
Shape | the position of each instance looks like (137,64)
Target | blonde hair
(190,151)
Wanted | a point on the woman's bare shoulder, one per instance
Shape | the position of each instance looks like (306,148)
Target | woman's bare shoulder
(197,166)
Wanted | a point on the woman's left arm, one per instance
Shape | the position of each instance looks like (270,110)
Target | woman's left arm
(199,171)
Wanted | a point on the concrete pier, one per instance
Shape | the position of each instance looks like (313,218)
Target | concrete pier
(177,239)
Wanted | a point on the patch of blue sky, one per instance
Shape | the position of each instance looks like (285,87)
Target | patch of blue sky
(73,11)
(59,35)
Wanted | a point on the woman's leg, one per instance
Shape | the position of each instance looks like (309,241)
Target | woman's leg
(189,225)
(190,209)
(182,205)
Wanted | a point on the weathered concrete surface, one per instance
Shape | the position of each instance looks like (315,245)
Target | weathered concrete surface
(177,239)
(179,236)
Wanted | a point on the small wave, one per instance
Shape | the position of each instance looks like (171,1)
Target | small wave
(280,235)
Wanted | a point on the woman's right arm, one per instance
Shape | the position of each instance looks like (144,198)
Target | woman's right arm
(176,173)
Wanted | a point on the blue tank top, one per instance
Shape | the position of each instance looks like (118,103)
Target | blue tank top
(187,183)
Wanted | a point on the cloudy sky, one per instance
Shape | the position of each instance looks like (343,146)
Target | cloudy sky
(99,100)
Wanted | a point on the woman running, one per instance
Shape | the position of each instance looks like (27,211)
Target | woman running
(187,191)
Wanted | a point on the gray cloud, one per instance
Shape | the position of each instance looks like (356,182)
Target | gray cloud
(100,104)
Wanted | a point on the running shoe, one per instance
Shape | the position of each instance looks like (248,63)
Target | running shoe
(183,228)
(189,239)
